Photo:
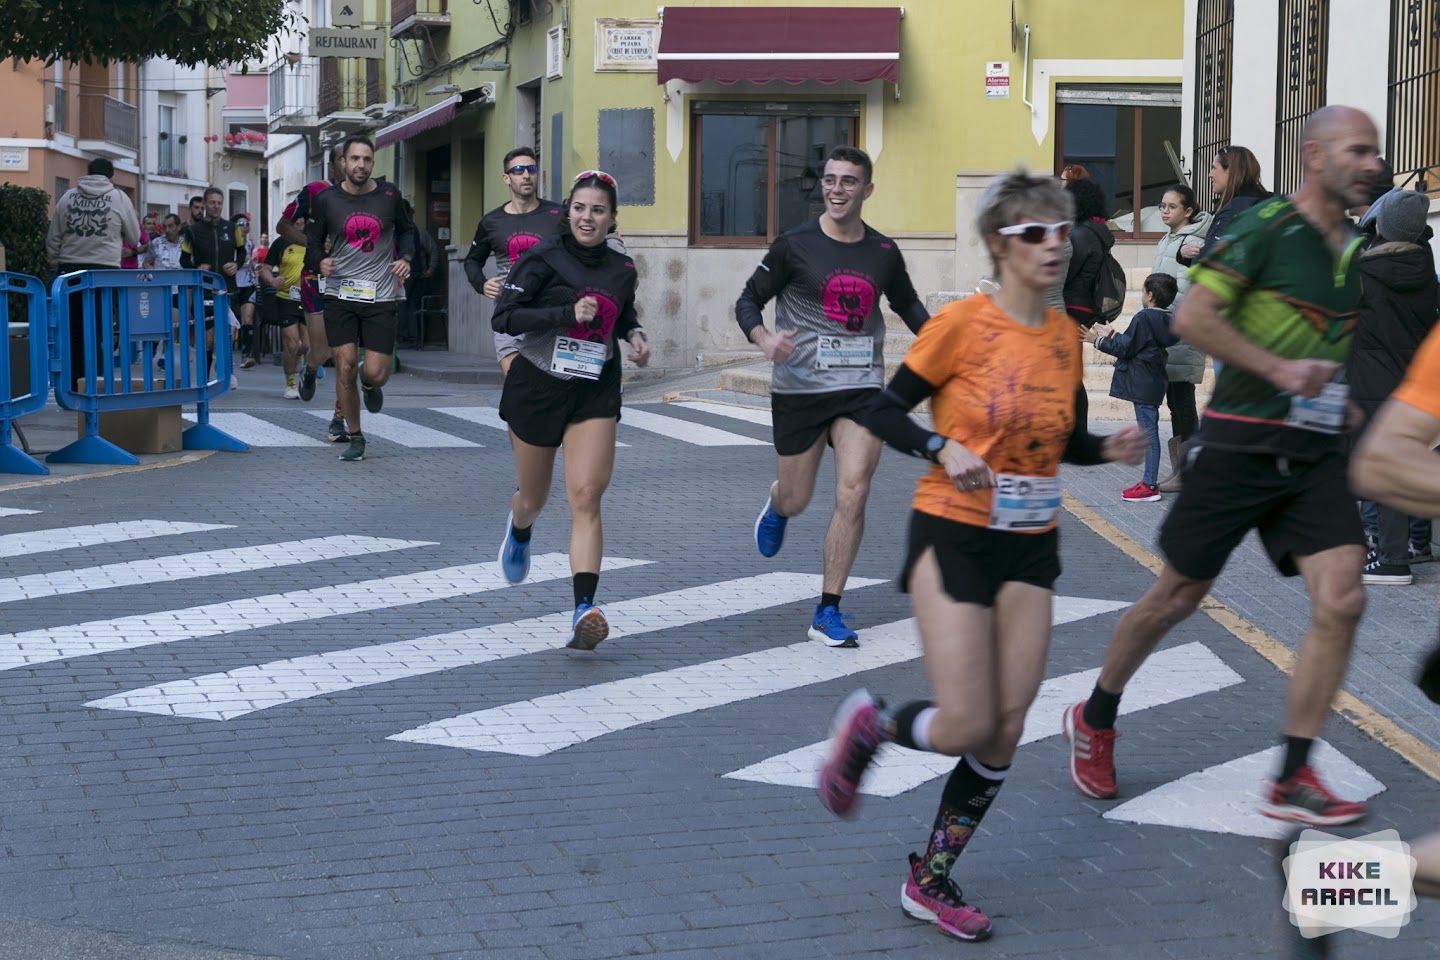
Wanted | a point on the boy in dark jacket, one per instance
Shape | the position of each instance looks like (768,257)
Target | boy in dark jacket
(1140,372)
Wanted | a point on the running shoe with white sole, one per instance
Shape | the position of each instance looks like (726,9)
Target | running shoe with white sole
(589,626)
(1092,755)
(291,393)
(337,432)
(307,383)
(828,626)
(770,527)
(1302,798)
(374,398)
(514,556)
(944,905)
(355,451)
(854,738)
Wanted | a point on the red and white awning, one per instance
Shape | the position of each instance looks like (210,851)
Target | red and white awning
(435,115)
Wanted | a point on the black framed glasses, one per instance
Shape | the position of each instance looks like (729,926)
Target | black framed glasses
(519,168)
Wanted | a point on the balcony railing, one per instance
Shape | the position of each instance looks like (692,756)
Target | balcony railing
(348,85)
(291,103)
(106,119)
(409,16)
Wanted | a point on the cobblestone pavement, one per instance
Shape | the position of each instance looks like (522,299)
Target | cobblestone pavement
(319,728)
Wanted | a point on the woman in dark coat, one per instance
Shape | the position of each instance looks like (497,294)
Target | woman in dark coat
(1235,182)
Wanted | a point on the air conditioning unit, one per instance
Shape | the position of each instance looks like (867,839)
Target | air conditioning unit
(49,113)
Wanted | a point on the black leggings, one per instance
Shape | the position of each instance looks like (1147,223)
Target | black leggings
(1180,398)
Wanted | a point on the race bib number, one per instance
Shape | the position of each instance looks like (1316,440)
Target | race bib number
(844,353)
(1322,414)
(1024,503)
(578,358)
(361,291)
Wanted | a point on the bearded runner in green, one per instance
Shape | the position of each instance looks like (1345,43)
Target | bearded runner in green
(1275,301)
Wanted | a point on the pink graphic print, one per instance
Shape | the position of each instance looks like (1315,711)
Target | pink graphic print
(598,330)
(362,231)
(518,244)
(848,298)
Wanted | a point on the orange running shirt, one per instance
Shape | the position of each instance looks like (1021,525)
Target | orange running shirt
(1421,388)
(1005,391)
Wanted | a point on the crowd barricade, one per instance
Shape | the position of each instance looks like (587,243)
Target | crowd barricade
(27,294)
(135,340)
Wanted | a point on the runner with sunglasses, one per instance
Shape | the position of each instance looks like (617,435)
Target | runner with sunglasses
(572,297)
(1275,300)
(508,231)
(826,277)
(1001,372)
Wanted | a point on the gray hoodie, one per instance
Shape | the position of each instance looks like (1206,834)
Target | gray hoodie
(91,221)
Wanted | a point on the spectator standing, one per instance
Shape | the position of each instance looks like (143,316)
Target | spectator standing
(245,293)
(197,210)
(1235,182)
(1398,305)
(1090,242)
(164,253)
(1184,366)
(427,258)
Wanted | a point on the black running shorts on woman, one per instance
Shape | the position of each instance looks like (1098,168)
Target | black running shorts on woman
(975,562)
(538,407)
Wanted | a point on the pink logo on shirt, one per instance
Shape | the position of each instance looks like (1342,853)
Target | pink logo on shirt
(518,244)
(362,230)
(848,298)
(598,330)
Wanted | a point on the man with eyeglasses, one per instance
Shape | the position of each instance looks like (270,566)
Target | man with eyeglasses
(826,277)
(1275,299)
(508,231)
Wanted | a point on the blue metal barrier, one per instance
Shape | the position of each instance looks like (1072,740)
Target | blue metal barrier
(32,291)
(125,316)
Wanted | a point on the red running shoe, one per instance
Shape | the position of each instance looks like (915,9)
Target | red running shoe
(943,905)
(854,738)
(1302,798)
(1142,492)
(1092,755)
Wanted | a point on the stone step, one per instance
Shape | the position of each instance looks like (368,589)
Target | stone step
(1105,407)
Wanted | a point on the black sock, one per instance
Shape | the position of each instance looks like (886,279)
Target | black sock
(521,534)
(355,434)
(899,726)
(585,586)
(1101,708)
(830,600)
(1297,755)
(968,794)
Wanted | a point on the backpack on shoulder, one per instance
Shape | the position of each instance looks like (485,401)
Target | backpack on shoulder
(1108,294)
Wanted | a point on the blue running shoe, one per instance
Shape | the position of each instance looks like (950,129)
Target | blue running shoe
(514,556)
(590,627)
(829,628)
(770,528)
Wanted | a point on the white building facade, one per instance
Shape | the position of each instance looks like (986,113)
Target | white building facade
(174,125)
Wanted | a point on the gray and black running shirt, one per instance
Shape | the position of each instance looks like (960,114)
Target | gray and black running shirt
(826,290)
(368,231)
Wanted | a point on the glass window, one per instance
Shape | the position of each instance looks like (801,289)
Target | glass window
(1128,151)
(755,174)
(165,142)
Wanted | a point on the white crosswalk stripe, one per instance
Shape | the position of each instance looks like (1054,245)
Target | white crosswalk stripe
(260,433)
(15,512)
(189,566)
(485,417)
(534,728)
(734,411)
(1177,673)
(685,431)
(236,693)
(48,644)
(94,534)
(407,433)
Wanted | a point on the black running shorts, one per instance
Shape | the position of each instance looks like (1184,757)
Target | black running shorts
(976,561)
(371,325)
(799,419)
(538,407)
(288,313)
(1299,508)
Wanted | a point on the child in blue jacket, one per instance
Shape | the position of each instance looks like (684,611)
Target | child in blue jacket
(1140,372)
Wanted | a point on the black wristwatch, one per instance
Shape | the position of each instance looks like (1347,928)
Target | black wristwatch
(933,446)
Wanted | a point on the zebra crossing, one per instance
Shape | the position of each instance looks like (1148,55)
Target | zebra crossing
(287,427)
(570,718)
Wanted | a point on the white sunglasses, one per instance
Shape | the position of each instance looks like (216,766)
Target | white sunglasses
(1036,232)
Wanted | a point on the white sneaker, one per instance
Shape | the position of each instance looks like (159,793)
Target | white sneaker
(234,382)
(292,392)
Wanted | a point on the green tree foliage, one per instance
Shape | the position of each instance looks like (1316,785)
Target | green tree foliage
(23,222)
(190,32)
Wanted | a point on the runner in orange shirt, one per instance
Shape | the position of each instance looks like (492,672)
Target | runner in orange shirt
(1002,373)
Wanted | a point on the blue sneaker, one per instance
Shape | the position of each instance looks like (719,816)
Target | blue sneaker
(829,628)
(770,528)
(590,627)
(514,556)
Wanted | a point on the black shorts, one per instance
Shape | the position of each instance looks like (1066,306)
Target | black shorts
(538,407)
(371,325)
(799,419)
(288,313)
(976,561)
(1299,508)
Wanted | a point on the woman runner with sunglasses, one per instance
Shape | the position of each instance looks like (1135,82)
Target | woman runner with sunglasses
(573,297)
(1001,372)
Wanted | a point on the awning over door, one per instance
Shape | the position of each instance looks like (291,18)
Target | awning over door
(435,115)
(792,44)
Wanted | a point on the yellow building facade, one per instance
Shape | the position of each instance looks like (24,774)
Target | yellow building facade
(710,171)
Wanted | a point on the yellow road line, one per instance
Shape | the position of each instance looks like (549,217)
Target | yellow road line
(138,468)
(1365,717)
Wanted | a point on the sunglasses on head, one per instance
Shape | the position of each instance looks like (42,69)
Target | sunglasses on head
(600,175)
(1036,232)
(519,168)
